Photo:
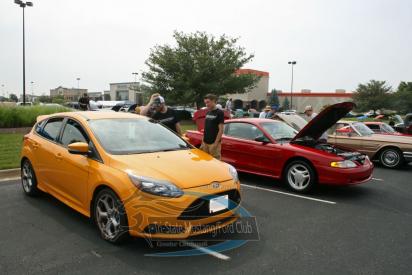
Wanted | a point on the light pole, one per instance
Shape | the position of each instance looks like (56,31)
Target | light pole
(23,5)
(78,82)
(137,100)
(32,90)
(2,90)
(135,77)
(292,63)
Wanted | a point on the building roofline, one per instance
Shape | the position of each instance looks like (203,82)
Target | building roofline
(115,83)
(317,94)
(251,71)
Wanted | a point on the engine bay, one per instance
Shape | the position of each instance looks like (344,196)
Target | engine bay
(347,155)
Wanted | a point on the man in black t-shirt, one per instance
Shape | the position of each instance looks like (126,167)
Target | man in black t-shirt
(84,102)
(213,131)
(162,113)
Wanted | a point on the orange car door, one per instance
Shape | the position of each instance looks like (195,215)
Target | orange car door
(72,171)
(44,147)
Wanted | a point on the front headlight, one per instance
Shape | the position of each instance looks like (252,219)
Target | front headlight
(343,164)
(233,172)
(156,187)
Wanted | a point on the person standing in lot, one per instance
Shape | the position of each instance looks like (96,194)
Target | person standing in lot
(84,102)
(163,114)
(309,115)
(213,130)
(229,105)
(265,112)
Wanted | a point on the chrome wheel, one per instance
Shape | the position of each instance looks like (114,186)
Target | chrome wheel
(390,158)
(298,177)
(108,216)
(27,177)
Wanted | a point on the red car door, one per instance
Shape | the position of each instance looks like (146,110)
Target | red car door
(240,148)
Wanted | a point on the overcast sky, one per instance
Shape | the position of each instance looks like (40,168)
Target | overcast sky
(337,44)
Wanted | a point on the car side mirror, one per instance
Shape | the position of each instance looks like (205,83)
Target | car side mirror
(78,148)
(262,139)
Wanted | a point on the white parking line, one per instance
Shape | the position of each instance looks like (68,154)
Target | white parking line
(9,179)
(376,179)
(208,251)
(288,194)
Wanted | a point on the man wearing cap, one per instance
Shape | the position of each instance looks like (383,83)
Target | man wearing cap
(157,109)
(265,112)
(309,114)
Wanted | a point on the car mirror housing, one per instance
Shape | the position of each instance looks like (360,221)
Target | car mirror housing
(262,139)
(78,148)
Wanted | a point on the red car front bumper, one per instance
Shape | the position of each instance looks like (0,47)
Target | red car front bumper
(345,176)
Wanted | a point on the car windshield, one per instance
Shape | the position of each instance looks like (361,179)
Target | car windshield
(387,128)
(279,130)
(362,129)
(135,136)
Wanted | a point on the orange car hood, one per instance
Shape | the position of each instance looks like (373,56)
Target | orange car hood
(185,168)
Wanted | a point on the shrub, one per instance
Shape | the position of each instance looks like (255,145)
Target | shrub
(19,116)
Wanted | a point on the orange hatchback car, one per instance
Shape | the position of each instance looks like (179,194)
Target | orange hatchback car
(129,174)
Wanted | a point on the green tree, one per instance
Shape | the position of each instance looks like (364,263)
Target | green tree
(59,99)
(274,98)
(13,97)
(286,104)
(403,97)
(199,64)
(44,99)
(373,95)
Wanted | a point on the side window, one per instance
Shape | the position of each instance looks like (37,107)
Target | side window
(374,128)
(226,128)
(39,126)
(243,131)
(52,129)
(73,132)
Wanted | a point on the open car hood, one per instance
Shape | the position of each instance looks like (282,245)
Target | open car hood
(324,120)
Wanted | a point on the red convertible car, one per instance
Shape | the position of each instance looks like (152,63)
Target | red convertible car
(274,149)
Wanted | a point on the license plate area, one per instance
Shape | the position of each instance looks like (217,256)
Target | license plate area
(218,204)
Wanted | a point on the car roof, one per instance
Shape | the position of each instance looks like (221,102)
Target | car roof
(91,115)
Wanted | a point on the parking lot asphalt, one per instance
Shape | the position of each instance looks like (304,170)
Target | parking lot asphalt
(364,229)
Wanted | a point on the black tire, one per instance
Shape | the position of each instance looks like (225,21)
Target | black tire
(108,208)
(391,158)
(28,179)
(297,182)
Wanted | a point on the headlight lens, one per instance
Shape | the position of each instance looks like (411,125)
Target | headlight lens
(156,187)
(233,172)
(343,164)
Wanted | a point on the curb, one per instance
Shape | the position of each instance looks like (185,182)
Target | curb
(9,173)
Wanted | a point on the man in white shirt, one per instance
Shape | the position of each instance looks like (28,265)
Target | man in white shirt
(309,115)
(265,112)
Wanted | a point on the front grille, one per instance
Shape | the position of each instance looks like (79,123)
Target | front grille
(199,209)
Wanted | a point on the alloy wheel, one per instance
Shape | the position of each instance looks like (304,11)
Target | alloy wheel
(27,177)
(108,216)
(298,176)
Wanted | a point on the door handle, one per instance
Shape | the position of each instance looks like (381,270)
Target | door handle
(58,156)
